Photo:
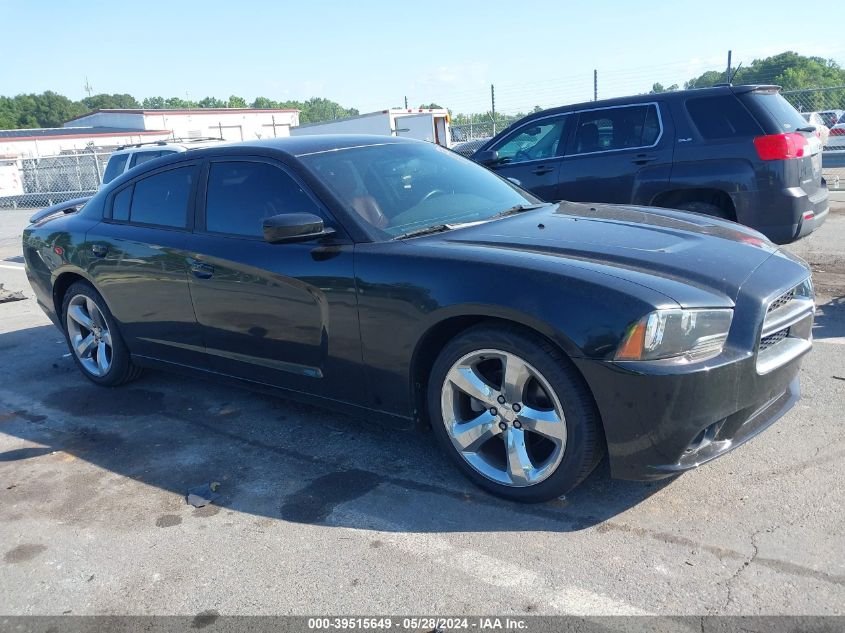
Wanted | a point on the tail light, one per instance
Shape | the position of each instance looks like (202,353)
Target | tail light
(837,131)
(781,146)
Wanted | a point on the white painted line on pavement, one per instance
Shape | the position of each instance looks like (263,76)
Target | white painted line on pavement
(436,551)
(12,267)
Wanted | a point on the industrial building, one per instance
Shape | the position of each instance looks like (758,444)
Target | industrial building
(107,129)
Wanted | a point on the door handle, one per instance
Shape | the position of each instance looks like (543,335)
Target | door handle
(542,169)
(199,269)
(99,250)
(642,159)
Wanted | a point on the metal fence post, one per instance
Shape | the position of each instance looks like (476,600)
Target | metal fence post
(97,168)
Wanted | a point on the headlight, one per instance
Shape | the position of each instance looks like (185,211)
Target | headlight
(689,334)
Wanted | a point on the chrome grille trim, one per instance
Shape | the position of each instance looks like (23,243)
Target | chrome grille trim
(786,332)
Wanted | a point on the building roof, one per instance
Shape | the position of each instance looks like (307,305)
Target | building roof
(181,111)
(32,134)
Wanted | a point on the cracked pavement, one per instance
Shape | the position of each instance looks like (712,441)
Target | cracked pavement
(326,513)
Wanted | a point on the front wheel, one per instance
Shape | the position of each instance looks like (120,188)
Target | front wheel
(94,339)
(514,414)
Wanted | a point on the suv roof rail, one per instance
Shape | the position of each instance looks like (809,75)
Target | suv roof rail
(175,139)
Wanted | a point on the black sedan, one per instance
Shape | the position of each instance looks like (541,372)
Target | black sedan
(398,280)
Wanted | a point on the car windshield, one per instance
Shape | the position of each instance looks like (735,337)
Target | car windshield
(404,187)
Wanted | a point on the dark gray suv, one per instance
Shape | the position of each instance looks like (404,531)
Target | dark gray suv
(737,152)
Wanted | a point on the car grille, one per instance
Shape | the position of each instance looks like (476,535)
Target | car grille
(787,327)
(773,339)
(782,300)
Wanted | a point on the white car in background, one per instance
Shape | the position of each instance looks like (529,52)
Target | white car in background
(815,119)
(126,157)
(836,140)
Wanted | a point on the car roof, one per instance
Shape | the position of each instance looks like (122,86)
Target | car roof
(648,98)
(316,143)
(293,147)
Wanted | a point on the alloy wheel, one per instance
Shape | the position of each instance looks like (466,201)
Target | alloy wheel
(89,335)
(503,417)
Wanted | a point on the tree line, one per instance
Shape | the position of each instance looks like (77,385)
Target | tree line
(790,71)
(50,109)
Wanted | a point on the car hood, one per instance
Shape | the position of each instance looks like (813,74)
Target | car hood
(691,248)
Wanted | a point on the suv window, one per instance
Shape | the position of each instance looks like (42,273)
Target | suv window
(242,194)
(162,198)
(785,117)
(115,167)
(533,141)
(139,158)
(617,128)
(721,117)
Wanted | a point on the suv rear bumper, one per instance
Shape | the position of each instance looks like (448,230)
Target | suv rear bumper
(784,215)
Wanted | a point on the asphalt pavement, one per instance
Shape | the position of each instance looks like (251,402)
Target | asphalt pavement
(325,513)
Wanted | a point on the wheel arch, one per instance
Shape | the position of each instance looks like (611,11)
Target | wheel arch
(65,280)
(710,195)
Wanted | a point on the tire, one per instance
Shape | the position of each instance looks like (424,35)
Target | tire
(542,441)
(705,208)
(88,323)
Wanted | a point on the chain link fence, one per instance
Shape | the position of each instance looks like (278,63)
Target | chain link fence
(49,180)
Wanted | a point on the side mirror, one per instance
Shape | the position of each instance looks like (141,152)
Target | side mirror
(486,157)
(294,227)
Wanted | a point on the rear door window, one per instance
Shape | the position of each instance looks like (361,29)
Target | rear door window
(162,198)
(242,194)
(618,128)
(115,167)
(722,117)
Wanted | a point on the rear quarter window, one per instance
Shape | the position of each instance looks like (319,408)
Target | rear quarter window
(722,117)
(776,113)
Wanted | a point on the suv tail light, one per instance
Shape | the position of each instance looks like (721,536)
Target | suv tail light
(781,146)
(837,131)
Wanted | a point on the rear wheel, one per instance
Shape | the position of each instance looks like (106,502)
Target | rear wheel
(94,339)
(705,208)
(514,414)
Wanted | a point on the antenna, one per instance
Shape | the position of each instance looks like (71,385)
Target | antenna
(88,88)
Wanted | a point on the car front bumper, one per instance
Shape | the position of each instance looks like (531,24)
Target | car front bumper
(660,424)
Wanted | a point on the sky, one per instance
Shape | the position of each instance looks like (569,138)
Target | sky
(371,54)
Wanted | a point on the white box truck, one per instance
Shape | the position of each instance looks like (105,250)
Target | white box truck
(421,123)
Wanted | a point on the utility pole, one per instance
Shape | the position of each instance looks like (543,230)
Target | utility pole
(406,102)
(493,106)
(728,71)
(595,85)
(88,88)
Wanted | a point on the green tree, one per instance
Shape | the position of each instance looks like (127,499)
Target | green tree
(112,101)
(237,102)
(430,106)
(154,103)
(212,102)
(264,103)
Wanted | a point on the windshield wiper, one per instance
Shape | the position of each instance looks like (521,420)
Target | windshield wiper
(519,208)
(427,230)
(806,128)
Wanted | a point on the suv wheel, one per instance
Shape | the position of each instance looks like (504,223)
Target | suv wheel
(94,339)
(514,414)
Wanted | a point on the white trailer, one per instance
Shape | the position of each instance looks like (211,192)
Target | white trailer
(425,124)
